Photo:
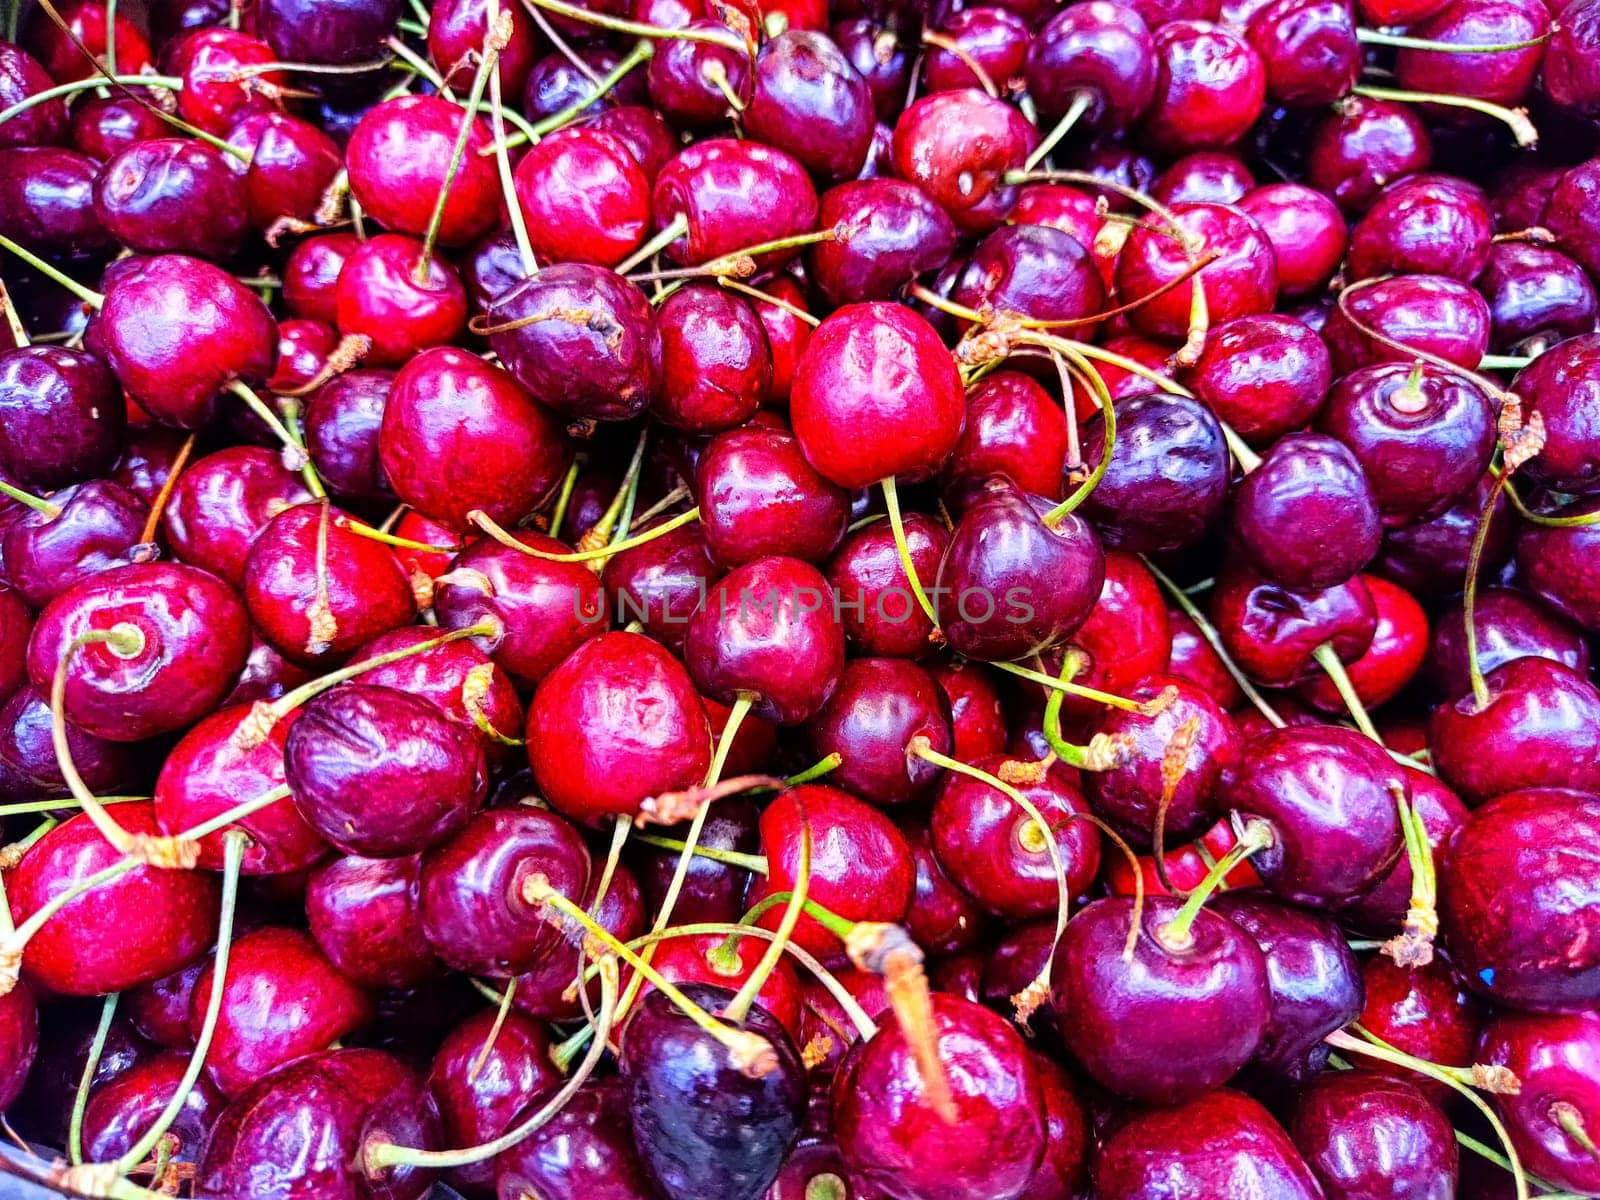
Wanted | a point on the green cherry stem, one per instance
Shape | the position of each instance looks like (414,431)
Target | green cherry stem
(891,501)
(1332,666)
(91,1066)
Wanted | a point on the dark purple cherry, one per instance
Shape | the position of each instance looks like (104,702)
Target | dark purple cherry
(1206,176)
(311,275)
(879,709)
(386,294)
(556,83)
(122,1110)
(1439,812)
(1562,385)
(808,100)
(1264,375)
(759,496)
(1187,1012)
(477,914)
(1559,564)
(1537,297)
(363,913)
(1510,624)
(691,81)
(456,31)
(1326,793)
(592,1132)
(884,57)
(1433,314)
(716,366)
(1362,146)
(1307,233)
(1430,558)
(61,417)
(1423,225)
(47,202)
(994,38)
(1569,74)
(341,430)
(1307,516)
(94,529)
(29,769)
(1552,1119)
(703,1122)
(1168,477)
(1425,1011)
(731,194)
(887,232)
(1099,56)
(333,34)
(662,583)
(582,339)
(1242,278)
(103,127)
(22,76)
(222,502)
(172,196)
(1364,1134)
(1309,50)
(1210,84)
(1423,437)
(958,147)
(1033,271)
(1013,428)
(942,919)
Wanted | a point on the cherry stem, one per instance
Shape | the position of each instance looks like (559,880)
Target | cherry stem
(147,535)
(379,1155)
(1056,684)
(1177,934)
(1545,519)
(1418,355)
(1355,1045)
(1469,596)
(1214,639)
(816,770)
(891,502)
(639,29)
(840,927)
(169,83)
(1570,1119)
(1376,37)
(294,450)
(89,296)
(39,505)
(794,311)
(640,54)
(420,65)
(1328,659)
(1504,362)
(619,838)
(12,947)
(1081,100)
(952,47)
(481,1059)
(733,858)
(671,232)
(569,483)
(1108,411)
(1413,946)
(483,522)
(91,1066)
(372,533)
(502,159)
(1548,1191)
(1516,119)
(1102,752)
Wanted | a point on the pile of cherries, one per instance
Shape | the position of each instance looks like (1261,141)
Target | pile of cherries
(738,599)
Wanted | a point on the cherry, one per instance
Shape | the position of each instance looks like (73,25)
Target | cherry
(1426,225)
(876,606)
(1346,1123)
(1221,1145)
(994,38)
(759,496)
(341,432)
(1362,146)
(715,363)
(1264,375)
(1033,271)
(120,1112)
(1313,981)
(307,31)
(340,1099)
(484,1072)
(1209,88)
(103,126)
(1208,176)
(872,720)
(861,868)
(129,930)
(1180,1017)
(727,195)
(458,678)
(1194,659)
(1515,902)
(1568,72)
(662,583)
(1423,1011)
(1167,480)
(456,31)
(84,531)
(698,84)
(220,85)
(582,339)
(1429,314)
(959,147)
(386,293)
(475,908)
(1326,794)
(311,275)
(699,1120)
(584,197)
(988,1141)
(989,597)
(177,331)
(942,919)
(29,769)
(303,351)
(292,164)
(787,332)
(545,609)
(888,233)
(1562,385)
(221,503)
(22,76)
(1013,428)
(1537,296)
(560,82)
(1510,624)
(1430,558)
(1272,632)
(1537,715)
(1098,57)
(145,650)
(1308,49)
(1498,76)
(1306,232)
(67,1030)
(592,1129)
(1390,660)
(1550,1119)
(59,51)
(1241,279)
(1307,517)
(15,629)
(997,853)
(62,418)
(1124,639)
(19,1034)
(47,198)
(316,590)
(363,914)
(172,196)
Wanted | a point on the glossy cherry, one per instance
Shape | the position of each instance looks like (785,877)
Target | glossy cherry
(1510,624)
(94,530)
(877,609)
(1242,279)
(1434,314)
(958,147)
(386,293)
(1307,516)
(872,720)
(1550,1118)
(584,197)
(1264,375)
(363,914)
(122,1110)
(61,420)
(1346,1123)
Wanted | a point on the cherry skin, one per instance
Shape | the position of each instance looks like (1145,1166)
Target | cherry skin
(715,363)
(172,196)
(1207,176)
(1325,792)
(1243,279)
(1194,659)
(479,1092)
(47,199)
(1548,1053)
(556,83)
(1431,313)
(397,160)
(861,866)
(1510,624)
(192,639)
(1562,385)
(942,919)
(1264,375)
(1568,73)
(122,1110)
(766,630)
(1539,722)
(546,609)
(1271,631)
(889,232)
(340,1099)
(691,80)
(1209,87)
(1425,225)
(1558,565)
(19,1034)
(316,591)
(705,959)
(16,626)
(894,1139)
(61,420)
(787,334)
(1308,48)
(29,770)
(456,30)
(311,275)
(1102,52)
(1010,584)
(1307,516)
(362,912)
(281,999)
(993,37)
(543,991)
(958,147)
(1389,662)
(1222,1145)
(999,855)
(606,367)
(1034,271)
(877,609)
(1013,428)
(699,1121)
(292,163)
(22,76)
(303,350)
(1124,639)
(662,583)
(302,31)
(1363,145)
(1168,477)
(220,86)
(733,194)
(584,197)
(476,915)
(1424,1011)
(1500,77)
(1536,296)
(380,296)
(1516,904)
(95,532)
(1430,559)
(342,420)
(176,330)
(1306,230)
(138,927)
(872,720)
(617,722)
(759,496)
(101,127)
(1345,1123)
(591,1129)
(1177,1020)
(222,502)
(1312,978)
(876,394)
(808,100)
